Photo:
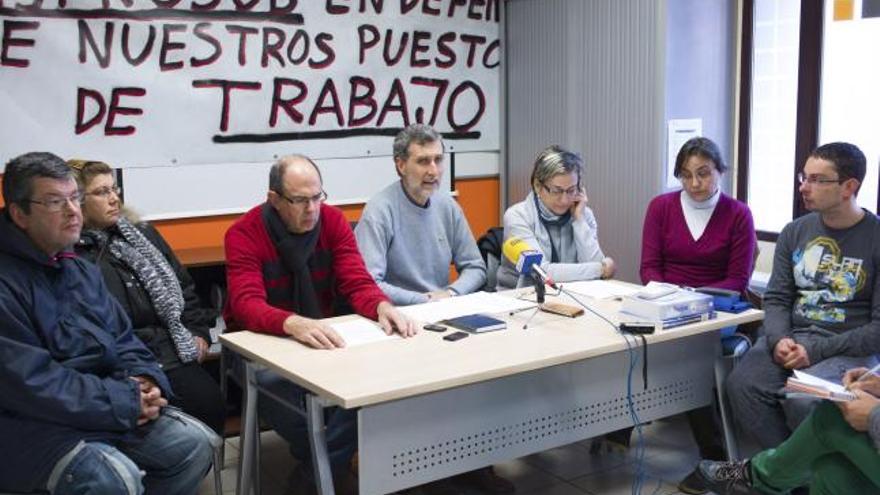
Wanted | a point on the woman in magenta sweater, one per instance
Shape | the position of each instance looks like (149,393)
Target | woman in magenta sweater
(699,237)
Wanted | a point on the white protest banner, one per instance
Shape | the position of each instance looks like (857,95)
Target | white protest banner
(145,83)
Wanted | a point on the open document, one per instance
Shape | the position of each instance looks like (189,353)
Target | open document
(806,385)
(453,307)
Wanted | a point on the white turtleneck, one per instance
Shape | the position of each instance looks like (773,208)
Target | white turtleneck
(698,213)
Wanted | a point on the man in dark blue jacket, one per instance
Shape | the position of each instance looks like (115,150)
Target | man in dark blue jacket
(82,401)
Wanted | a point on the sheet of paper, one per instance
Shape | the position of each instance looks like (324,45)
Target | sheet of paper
(600,289)
(361,331)
(478,302)
(818,382)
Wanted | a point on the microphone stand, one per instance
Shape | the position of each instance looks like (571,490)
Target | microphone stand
(540,294)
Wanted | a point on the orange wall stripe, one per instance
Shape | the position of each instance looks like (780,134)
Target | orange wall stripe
(479,198)
(189,233)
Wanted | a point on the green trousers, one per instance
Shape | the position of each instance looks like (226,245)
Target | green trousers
(824,453)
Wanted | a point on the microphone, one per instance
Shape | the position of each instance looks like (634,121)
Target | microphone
(526,259)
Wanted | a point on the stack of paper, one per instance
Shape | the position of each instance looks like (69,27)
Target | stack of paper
(806,385)
(360,331)
(600,289)
(662,306)
(655,290)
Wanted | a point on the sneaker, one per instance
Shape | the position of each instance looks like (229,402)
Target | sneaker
(693,484)
(727,477)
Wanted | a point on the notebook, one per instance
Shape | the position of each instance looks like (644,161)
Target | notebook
(477,323)
(806,385)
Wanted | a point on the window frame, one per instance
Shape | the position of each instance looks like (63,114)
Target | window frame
(811,29)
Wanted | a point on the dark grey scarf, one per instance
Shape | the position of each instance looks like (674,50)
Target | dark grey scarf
(548,218)
(157,278)
(296,252)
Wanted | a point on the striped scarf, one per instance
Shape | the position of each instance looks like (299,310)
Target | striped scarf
(158,279)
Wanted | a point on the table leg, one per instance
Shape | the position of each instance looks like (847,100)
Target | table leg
(318,442)
(731,449)
(248,428)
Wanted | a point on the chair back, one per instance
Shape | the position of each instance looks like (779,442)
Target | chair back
(489,245)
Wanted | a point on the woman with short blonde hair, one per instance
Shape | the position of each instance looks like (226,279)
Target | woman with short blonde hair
(554,219)
(154,289)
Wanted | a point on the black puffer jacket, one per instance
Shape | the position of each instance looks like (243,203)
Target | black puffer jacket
(127,289)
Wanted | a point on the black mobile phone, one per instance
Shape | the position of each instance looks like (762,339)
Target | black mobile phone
(432,327)
(452,337)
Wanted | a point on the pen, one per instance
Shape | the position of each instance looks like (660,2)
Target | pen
(868,373)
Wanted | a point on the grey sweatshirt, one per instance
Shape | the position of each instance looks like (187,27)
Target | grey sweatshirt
(824,290)
(408,248)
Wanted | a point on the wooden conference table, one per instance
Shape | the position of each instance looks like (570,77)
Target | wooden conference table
(429,408)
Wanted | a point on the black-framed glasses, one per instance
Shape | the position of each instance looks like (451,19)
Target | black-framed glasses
(55,204)
(558,192)
(105,192)
(817,179)
(305,200)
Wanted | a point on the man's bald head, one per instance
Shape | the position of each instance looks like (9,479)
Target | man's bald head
(296,192)
(300,165)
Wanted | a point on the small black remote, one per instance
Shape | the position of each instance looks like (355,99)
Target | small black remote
(639,328)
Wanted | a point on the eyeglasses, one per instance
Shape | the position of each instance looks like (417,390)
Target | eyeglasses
(557,192)
(105,192)
(54,204)
(304,200)
(817,179)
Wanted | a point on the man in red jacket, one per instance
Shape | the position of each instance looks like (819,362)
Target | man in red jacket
(290,262)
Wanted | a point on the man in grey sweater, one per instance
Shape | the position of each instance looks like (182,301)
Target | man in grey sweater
(410,232)
(822,304)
